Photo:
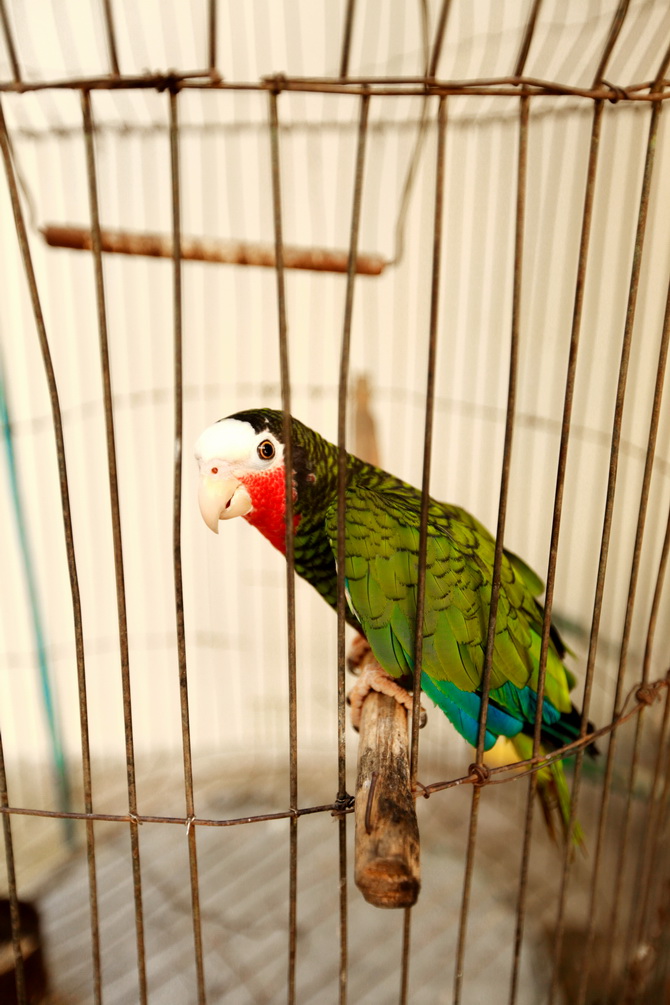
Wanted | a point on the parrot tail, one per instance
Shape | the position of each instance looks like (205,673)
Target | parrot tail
(553,792)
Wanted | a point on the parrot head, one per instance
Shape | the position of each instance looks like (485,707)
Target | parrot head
(242,472)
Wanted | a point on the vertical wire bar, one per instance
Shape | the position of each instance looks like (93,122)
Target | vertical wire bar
(439,38)
(644,498)
(587,216)
(509,419)
(425,493)
(422,131)
(406,946)
(117,542)
(346,38)
(527,38)
(606,533)
(647,858)
(211,33)
(613,35)
(614,32)
(428,431)
(111,36)
(176,546)
(14,915)
(635,979)
(343,973)
(290,548)
(9,42)
(623,848)
(341,512)
(68,533)
(653,833)
(53,721)
(500,530)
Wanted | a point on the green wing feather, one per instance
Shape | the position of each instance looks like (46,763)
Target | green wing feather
(381,571)
(381,574)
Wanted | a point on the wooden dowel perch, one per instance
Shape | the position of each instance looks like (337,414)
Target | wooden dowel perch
(123,242)
(387,870)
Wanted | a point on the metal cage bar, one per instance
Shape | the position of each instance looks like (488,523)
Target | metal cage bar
(634,573)
(587,214)
(438,214)
(15,918)
(111,37)
(607,522)
(343,387)
(117,543)
(509,86)
(290,548)
(346,38)
(480,770)
(68,533)
(9,42)
(364,88)
(571,374)
(212,24)
(177,551)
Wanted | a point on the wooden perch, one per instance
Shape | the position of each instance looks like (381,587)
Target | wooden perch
(123,242)
(387,870)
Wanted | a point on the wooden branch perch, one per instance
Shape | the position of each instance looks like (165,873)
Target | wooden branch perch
(123,242)
(387,870)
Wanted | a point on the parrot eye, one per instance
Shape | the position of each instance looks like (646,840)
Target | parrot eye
(266,450)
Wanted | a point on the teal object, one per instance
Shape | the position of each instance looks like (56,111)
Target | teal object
(48,698)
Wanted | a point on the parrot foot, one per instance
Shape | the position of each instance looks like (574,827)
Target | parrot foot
(373,678)
(358,650)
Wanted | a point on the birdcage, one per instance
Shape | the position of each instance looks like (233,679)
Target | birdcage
(444,221)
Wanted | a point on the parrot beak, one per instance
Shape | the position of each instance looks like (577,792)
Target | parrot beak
(222,499)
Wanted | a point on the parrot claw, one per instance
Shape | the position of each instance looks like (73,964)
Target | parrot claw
(358,650)
(373,678)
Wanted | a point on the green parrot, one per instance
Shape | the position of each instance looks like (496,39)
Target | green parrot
(241,460)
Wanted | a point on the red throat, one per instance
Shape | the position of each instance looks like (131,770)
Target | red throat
(267,491)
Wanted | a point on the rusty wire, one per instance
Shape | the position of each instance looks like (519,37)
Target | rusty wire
(176,547)
(124,652)
(508,772)
(587,215)
(500,531)
(425,491)
(510,87)
(9,42)
(604,549)
(68,533)
(644,498)
(212,19)
(275,164)
(110,31)
(555,530)
(19,968)
(345,354)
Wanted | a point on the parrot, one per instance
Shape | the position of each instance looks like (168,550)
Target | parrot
(242,473)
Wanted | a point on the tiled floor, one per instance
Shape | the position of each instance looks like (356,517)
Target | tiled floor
(243,883)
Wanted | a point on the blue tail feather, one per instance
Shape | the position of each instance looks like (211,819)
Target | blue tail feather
(462,710)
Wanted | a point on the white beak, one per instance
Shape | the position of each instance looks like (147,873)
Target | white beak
(222,499)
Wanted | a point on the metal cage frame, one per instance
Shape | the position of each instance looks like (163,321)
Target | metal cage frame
(436,94)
